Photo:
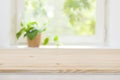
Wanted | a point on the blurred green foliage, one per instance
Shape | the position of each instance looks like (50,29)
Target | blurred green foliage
(36,7)
(82,15)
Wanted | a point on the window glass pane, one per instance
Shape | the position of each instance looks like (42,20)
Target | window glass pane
(63,17)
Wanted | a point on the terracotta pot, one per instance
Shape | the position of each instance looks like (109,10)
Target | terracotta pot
(35,42)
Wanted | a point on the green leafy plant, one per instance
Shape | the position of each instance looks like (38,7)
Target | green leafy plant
(30,30)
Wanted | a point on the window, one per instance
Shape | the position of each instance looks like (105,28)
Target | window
(76,22)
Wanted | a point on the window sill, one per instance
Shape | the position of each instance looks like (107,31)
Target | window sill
(67,47)
(60,60)
(61,47)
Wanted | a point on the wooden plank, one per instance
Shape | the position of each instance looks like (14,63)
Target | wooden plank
(60,60)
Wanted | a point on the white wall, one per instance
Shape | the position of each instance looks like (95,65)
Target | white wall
(114,23)
(4,23)
(7,22)
(59,77)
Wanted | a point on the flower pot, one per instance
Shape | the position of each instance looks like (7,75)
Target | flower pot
(35,42)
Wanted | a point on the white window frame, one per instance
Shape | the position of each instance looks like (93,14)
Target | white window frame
(98,39)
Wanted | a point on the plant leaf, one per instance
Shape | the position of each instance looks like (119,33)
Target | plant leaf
(18,34)
(56,38)
(25,34)
(30,24)
(32,34)
(46,41)
(21,24)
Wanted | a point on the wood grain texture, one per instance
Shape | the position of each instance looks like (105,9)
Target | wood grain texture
(60,60)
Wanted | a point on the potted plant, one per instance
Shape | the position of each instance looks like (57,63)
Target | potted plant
(32,31)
